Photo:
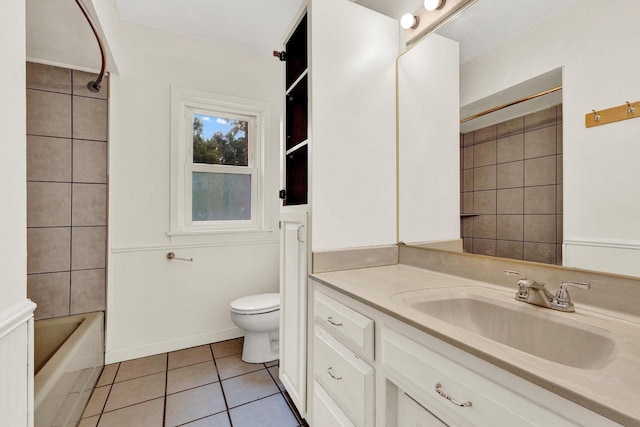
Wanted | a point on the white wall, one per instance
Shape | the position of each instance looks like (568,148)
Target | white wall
(596,43)
(155,305)
(429,140)
(353,185)
(16,340)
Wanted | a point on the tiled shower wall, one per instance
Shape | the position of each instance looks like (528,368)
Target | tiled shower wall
(66,191)
(511,183)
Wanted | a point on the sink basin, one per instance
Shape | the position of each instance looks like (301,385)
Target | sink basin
(534,330)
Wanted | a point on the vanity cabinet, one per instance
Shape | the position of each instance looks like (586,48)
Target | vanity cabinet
(343,379)
(410,378)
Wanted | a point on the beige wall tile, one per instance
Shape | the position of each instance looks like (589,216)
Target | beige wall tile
(510,227)
(509,249)
(48,249)
(80,81)
(509,175)
(540,119)
(48,159)
(467,180)
(88,248)
(510,201)
(559,229)
(559,169)
(559,113)
(89,161)
(467,227)
(540,228)
(540,142)
(484,202)
(48,114)
(50,291)
(48,77)
(510,149)
(89,118)
(540,200)
(558,254)
(559,199)
(48,204)
(540,252)
(484,246)
(484,178)
(89,204)
(467,203)
(467,244)
(467,139)
(484,226)
(510,127)
(485,134)
(467,157)
(559,138)
(540,171)
(484,154)
(88,291)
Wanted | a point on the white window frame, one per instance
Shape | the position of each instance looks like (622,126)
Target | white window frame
(184,104)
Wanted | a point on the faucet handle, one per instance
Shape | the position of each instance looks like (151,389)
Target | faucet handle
(517,273)
(563,298)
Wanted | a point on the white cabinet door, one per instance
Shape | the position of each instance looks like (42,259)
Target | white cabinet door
(412,414)
(429,141)
(325,411)
(293,305)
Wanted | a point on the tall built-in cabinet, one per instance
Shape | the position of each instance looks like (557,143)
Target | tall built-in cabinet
(338,154)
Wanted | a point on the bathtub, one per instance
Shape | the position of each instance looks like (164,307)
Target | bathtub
(68,359)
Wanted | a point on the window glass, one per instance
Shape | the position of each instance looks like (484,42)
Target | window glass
(220,196)
(220,141)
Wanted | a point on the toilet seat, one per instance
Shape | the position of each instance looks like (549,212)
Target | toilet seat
(256,304)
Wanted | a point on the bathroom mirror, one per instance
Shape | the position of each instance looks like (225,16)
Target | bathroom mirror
(582,47)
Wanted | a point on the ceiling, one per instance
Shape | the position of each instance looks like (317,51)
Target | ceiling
(57,32)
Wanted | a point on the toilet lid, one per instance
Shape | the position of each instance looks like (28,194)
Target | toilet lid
(256,304)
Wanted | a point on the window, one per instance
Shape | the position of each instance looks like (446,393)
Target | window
(217,146)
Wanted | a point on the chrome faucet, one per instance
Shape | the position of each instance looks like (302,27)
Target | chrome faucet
(532,292)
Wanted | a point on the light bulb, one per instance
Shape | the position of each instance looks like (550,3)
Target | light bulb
(408,21)
(432,5)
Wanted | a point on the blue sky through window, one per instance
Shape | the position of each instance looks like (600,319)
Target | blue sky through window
(212,124)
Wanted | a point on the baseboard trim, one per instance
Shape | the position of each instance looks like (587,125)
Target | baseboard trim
(16,316)
(120,355)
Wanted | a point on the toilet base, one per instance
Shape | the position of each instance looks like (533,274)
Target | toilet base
(260,347)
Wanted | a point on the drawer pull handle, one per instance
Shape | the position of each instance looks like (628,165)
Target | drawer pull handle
(333,322)
(330,372)
(449,398)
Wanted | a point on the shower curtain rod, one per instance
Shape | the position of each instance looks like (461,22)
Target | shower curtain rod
(527,98)
(95,85)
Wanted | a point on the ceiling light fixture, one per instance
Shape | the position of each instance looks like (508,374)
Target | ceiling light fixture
(408,21)
(432,5)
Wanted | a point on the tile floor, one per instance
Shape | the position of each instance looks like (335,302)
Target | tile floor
(205,386)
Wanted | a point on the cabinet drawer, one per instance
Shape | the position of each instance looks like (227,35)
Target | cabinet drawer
(420,369)
(351,327)
(346,378)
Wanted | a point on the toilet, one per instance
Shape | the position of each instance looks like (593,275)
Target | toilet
(259,316)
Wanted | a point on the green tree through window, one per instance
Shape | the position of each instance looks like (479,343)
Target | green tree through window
(230,148)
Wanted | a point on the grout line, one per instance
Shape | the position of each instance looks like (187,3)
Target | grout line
(226,405)
(166,385)
(71,207)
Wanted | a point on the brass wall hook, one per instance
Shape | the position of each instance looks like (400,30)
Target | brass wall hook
(596,117)
(630,108)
